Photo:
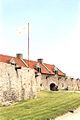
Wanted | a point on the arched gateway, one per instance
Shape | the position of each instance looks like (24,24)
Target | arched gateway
(53,87)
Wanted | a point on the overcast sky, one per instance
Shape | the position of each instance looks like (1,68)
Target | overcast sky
(54,31)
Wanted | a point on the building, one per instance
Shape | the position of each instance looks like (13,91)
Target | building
(21,79)
(46,70)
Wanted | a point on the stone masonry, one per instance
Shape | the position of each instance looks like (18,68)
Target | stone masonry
(63,83)
(23,83)
(17,84)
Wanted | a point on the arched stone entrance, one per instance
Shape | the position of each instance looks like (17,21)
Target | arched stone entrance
(53,87)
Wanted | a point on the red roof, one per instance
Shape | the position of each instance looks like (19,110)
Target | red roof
(45,68)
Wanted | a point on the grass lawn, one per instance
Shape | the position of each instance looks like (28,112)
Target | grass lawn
(46,105)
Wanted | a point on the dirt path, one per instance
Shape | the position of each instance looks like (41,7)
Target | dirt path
(70,116)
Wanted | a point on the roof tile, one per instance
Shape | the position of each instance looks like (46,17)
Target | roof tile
(45,68)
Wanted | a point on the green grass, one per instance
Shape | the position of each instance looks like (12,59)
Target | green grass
(46,105)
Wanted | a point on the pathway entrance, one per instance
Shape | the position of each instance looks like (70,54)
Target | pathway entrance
(53,87)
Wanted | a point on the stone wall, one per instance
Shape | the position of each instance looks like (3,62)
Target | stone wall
(16,84)
(63,83)
(38,81)
(19,84)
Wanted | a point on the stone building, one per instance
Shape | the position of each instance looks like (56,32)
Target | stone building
(21,79)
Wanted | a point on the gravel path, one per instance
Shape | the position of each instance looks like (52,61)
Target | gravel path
(70,116)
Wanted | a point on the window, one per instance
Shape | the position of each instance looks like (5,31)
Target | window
(41,84)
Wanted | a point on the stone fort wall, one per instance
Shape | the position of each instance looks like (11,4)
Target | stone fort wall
(63,83)
(21,84)
(17,84)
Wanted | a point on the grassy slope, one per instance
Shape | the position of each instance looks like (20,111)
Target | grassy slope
(47,105)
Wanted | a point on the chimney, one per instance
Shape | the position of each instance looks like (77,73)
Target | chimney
(40,60)
(19,55)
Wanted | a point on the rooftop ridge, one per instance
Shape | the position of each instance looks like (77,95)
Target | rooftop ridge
(24,62)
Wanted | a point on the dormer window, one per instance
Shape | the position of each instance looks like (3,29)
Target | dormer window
(38,67)
(55,70)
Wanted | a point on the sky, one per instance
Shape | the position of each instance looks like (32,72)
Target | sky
(54,27)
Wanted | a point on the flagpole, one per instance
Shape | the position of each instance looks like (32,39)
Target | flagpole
(28,45)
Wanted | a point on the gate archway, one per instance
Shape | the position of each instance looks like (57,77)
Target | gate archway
(53,87)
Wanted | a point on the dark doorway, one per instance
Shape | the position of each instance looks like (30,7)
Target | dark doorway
(53,87)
